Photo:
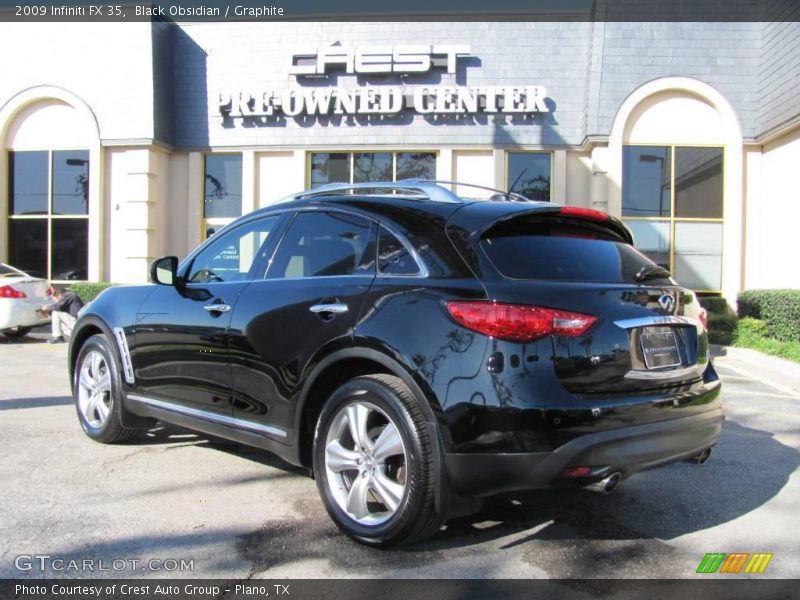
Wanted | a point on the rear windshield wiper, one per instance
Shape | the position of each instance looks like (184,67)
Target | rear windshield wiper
(651,272)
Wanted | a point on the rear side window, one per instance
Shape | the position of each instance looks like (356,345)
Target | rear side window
(393,256)
(561,251)
(320,244)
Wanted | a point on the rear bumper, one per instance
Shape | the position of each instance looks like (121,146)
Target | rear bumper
(627,450)
(21,313)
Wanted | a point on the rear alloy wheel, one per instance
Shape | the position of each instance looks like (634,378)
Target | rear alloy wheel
(16,332)
(97,392)
(373,462)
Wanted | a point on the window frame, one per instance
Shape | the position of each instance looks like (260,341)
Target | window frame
(259,265)
(422,269)
(549,153)
(286,227)
(290,214)
(218,223)
(351,159)
(672,220)
(50,216)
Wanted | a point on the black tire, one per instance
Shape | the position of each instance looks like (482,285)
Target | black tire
(415,517)
(108,430)
(16,332)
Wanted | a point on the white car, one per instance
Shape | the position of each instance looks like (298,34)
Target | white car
(20,298)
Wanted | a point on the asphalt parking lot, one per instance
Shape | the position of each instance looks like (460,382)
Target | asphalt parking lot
(236,512)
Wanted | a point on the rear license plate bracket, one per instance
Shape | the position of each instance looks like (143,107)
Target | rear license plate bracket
(660,349)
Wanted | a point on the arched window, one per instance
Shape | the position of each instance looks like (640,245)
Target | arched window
(50,185)
(48,228)
(676,158)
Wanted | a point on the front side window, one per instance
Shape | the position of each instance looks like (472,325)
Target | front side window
(222,201)
(530,174)
(362,167)
(231,256)
(321,244)
(48,228)
(672,199)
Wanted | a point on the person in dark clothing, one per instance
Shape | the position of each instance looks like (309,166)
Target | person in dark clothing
(63,314)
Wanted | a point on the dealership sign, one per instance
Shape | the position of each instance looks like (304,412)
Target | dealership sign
(404,61)
(378,59)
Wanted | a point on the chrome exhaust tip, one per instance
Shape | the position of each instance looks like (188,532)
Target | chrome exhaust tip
(702,458)
(607,485)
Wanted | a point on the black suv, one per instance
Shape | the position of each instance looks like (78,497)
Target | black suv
(415,349)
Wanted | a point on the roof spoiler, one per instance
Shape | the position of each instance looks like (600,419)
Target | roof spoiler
(577,213)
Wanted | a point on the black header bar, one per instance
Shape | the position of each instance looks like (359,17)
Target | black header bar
(407,10)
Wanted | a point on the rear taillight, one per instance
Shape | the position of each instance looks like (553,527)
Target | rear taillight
(583,213)
(518,322)
(7,291)
(704,318)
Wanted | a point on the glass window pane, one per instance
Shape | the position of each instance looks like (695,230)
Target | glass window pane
(223,185)
(560,256)
(324,245)
(230,257)
(698,255)
(646,175)
(70,249)
(329,168)
(28,180)
(71,182)
(27,245)
(416,165)
(8,271)
(372,167)
(531,172)
(698,182)
(393,257)
(651,238)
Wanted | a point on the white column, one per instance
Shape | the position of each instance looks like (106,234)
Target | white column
(602,184)
(559,183)
(445,170)
(248,181)
(499,157)
(194,209)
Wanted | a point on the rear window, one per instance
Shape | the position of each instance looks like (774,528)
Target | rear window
(525,250)
(6,271)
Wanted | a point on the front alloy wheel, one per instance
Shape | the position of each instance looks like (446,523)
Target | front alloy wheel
(94,389)
(97,390)
(374,462)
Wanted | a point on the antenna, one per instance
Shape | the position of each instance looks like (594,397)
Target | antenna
(516,181)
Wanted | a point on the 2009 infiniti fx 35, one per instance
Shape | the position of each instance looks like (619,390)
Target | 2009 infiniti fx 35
(415,349)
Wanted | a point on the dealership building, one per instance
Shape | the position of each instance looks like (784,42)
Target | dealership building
(128,141)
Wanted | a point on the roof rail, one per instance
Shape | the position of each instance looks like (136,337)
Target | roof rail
(507,195)
(428,188)
(417,187)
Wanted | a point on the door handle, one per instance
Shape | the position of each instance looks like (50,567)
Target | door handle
(332,309)
(217,308)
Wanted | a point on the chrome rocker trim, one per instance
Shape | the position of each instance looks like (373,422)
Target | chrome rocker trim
(208,416)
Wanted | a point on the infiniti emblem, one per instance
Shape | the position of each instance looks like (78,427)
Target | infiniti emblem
(667,302)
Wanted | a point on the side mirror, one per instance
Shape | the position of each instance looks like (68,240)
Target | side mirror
(164,270)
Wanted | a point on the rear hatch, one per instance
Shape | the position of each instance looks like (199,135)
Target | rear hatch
(646,332)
